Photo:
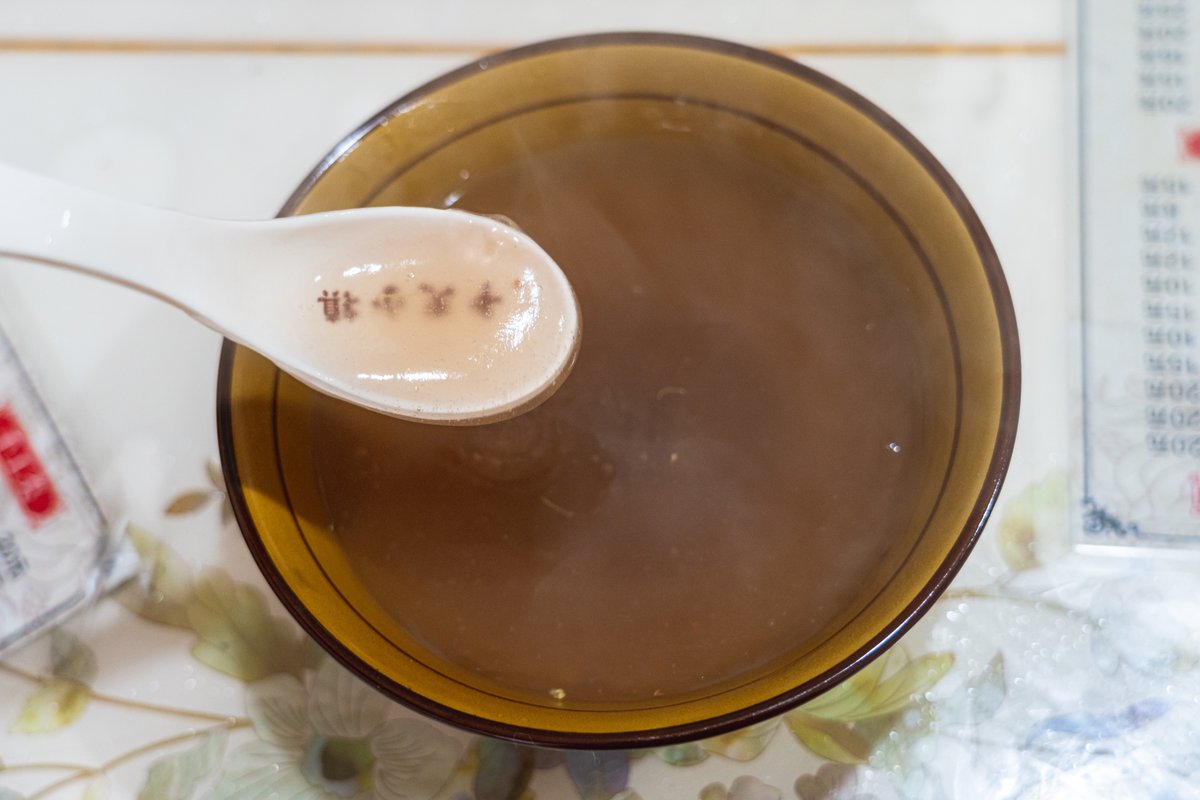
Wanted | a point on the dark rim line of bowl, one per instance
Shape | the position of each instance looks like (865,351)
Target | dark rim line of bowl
(730,721)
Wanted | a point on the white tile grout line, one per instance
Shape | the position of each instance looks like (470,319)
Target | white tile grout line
(317,48)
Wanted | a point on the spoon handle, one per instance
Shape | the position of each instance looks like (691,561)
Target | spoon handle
(149,249)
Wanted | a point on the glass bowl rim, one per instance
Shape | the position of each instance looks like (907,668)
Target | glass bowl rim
(742,717)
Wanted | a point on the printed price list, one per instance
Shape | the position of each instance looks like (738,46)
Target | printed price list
(1138,479)
(1169,329)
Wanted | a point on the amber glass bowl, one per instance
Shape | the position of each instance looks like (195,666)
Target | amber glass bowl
(803,128)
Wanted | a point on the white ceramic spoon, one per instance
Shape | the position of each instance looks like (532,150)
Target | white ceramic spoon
(431,315)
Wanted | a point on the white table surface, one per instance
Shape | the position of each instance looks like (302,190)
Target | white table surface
(1039,675)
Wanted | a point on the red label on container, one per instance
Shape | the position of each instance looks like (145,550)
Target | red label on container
(1191,145)
(24,471)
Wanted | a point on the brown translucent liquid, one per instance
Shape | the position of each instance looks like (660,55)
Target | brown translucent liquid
(715,481)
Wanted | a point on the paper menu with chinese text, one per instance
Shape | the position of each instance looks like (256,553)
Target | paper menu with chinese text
(1137,481)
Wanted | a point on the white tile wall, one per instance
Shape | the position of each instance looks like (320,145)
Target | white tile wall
(492,22)
(230,134)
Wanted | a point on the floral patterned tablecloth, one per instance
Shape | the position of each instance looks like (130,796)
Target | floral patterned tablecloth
(1041,673)
(1045,676)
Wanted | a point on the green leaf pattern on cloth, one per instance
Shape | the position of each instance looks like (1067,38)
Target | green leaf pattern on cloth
(830,739)
(55,704)
(682,755)
(62,698)
(177,777)
(829,725)
(189,502)
(163,590)
(236,633)
(1026,533)
(868,694)
(745,744)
